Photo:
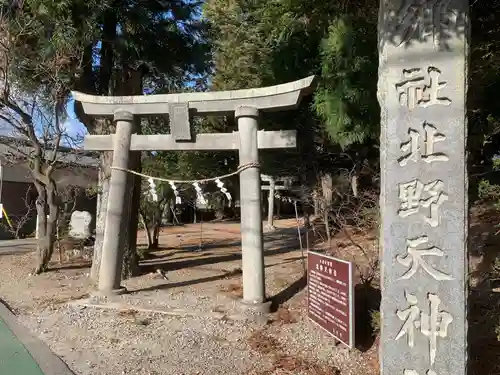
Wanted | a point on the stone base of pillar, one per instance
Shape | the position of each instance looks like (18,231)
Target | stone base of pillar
(255,309)
(99,297)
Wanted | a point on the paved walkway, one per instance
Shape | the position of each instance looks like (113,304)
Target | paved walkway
(14,358)
(23,354)
(8,247)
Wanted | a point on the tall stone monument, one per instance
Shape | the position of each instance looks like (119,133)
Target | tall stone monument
(422,91)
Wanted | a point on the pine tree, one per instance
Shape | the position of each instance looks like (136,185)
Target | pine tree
(141,42)
(345,99)
(106,47)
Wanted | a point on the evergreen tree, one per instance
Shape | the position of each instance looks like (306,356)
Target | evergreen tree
(151,42)
(106,47)
(345,99)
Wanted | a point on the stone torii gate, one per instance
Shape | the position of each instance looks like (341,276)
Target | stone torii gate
(272,187)
(246,106)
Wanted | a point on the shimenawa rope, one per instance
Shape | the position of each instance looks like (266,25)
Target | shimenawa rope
(240,169)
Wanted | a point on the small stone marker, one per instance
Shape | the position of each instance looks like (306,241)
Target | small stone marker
(79,226)
(330,299)
(422,91)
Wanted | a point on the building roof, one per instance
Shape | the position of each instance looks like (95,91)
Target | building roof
(78,168)
(19,146)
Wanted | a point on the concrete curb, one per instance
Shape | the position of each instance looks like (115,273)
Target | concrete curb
(48,362)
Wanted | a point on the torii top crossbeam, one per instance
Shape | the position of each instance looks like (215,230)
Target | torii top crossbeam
(280,97)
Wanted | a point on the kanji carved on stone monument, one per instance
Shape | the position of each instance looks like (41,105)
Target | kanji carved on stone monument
(433,324)
(421,89)
(413,372)
(412,197)
(422,19)
(414,259)
(412,148)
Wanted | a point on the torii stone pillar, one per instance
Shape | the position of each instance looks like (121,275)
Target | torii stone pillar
(246,105)
(251,209)
(112,260)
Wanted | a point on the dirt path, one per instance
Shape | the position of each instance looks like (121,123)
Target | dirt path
(202,289)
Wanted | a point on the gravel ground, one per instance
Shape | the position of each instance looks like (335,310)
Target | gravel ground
(94,341)
(106,342)
(102,341)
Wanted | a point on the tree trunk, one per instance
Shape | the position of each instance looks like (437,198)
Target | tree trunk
(327,188)
(100,125)
(167,213)
(156,236)
(305,202)
(328,230)
(219,207)
(157,224)
(130,83)
(130,257)
(146,228)
(102,205)
(48,226)
(354,185)
(316,202)
(41,204)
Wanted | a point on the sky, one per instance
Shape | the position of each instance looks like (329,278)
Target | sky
(73,128)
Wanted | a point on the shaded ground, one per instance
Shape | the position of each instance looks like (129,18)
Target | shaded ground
(183,324)
(484,297)
(188,316)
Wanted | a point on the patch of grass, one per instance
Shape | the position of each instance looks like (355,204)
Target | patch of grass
(281,282)
(54,301)
(234,289)
(297,364)
(233,272)
(131,316)
(285,316)
(128,313)
(267,345)
(219,309)
(375,321)
(261,342)
(143,322)
(144,253)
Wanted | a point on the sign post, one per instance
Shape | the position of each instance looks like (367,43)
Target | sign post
(330,300)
